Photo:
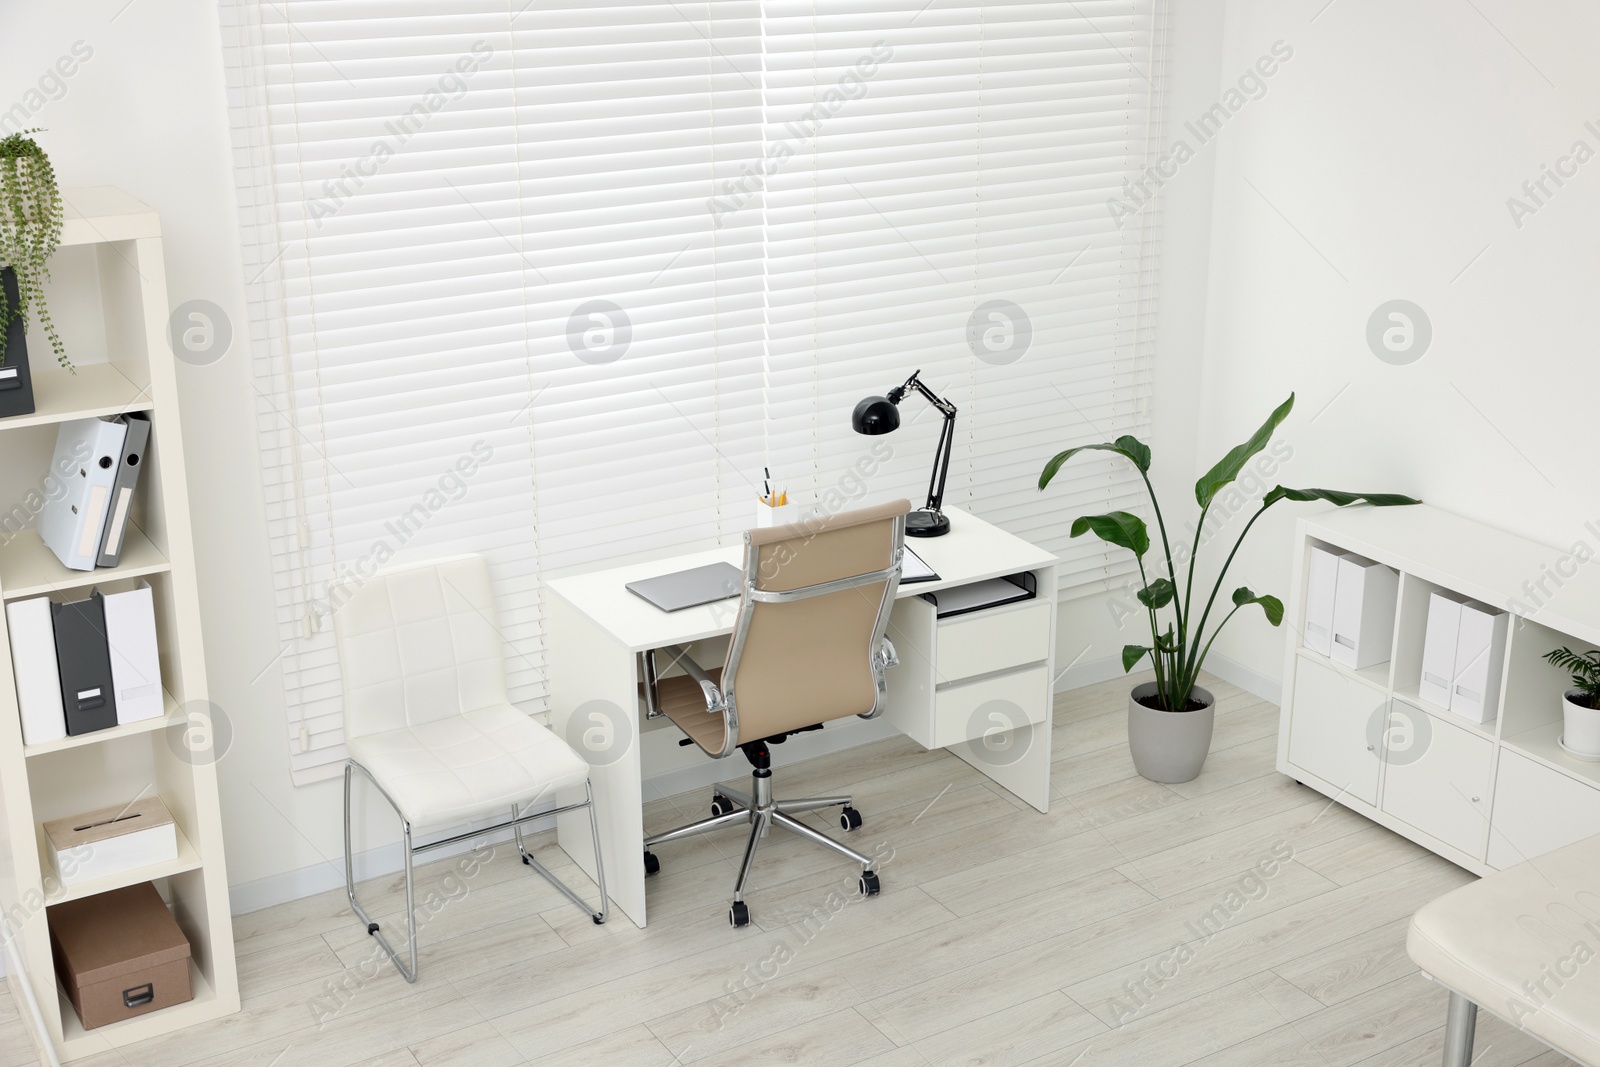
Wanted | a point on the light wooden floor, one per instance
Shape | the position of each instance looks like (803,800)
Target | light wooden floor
(1239,919)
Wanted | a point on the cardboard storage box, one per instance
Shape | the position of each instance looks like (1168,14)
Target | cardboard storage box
(98,844)
(120,954)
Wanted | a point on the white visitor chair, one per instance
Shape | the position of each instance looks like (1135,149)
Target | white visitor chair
(428,722)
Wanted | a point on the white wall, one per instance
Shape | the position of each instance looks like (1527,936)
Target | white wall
(1378,166)
(147,111)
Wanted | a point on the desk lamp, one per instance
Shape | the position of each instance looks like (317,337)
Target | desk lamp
(881,414)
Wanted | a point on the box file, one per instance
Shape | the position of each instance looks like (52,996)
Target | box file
(1439,648)
(33,665)
(135,662)
(1363,612)
(84,659)
(1480,657)
(1322,582)
(131,462)
(72,523)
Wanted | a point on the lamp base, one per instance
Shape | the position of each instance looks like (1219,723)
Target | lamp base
(927,523)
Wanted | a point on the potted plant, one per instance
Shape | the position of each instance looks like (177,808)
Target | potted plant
(1580,706)
(30,231)
(1170,719)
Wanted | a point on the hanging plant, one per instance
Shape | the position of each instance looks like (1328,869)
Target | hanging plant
(30,230)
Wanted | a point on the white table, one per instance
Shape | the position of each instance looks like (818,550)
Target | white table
(978,684)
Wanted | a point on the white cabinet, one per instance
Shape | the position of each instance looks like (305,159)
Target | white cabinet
(1538,810)
(1436,777)
(1329,736)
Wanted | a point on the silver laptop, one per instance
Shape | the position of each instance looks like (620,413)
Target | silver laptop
(690,588)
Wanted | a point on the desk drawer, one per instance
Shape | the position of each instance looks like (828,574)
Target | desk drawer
(971,710)
(986,641)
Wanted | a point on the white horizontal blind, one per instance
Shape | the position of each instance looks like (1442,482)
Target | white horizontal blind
(552,282)
(945,209)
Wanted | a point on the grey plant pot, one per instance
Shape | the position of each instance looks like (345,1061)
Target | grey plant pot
(1169,746)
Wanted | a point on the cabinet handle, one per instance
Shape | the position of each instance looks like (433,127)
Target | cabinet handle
(1370,748)
(1474,800)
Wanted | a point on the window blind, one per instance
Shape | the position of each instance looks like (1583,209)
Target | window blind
(553,282)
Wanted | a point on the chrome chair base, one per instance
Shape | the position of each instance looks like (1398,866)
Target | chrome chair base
(762,811)
(515,823)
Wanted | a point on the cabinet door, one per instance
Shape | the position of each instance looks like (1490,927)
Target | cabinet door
(1437,778)
(1537,810)
(1328,728)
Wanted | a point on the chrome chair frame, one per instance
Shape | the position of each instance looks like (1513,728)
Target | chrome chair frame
(759,807)
(515,823)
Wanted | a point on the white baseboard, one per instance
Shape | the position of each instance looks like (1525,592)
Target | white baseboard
(1251,681)
(1090,672)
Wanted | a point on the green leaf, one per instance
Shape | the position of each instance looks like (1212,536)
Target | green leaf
(1158,594)
(1269,604)
(1118,528)
(1167,642)
(1337,496)
(1129,447)
(1131,655)
(1206,489)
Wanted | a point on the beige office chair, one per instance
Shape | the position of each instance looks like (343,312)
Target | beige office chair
(428,722)
(808,647)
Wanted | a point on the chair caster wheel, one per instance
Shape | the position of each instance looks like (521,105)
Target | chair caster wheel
(721,805)
(372,928)
(849,818)
(651,864)
(738,914)
(869,884)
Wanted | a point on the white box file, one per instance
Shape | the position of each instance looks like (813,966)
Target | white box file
(1480,660)
(1322,582)
(1363,612)
(1439,648)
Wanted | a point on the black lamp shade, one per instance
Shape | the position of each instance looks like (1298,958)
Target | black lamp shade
(875,415)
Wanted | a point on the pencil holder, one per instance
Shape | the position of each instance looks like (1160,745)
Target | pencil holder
(779,516)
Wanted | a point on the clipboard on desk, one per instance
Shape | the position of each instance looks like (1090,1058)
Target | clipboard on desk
(990,593)
(914,569)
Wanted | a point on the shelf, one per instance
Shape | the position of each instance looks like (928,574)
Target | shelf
(1540,744)
(188,860)
(1411,696)
(29,568)
(103,213)
(60,396)
(146,726)
(1375,676)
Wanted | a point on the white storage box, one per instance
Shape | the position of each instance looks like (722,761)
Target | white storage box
(1363,612)
(1439,648)
(1480,660)
(1322,581)
(110,841)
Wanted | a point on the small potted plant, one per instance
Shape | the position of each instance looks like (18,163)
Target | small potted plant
(1170,720)
(30,231)
(1580,706)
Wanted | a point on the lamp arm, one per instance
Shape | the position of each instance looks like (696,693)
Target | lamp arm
(941,455)
(943,406)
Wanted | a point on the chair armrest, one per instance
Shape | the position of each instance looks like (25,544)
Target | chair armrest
(680,657)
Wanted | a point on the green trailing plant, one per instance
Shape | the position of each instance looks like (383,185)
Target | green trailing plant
(1585,671)
(1179,650)
(30,230)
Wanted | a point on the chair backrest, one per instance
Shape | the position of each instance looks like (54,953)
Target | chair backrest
(418,644)
(816,602)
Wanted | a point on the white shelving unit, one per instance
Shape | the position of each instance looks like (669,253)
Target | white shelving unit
(1485,796)
(110,280)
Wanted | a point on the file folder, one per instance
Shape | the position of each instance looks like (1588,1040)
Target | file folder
(33,663)
(1321,583)
(135,665)
(84,660)
(129,465)
(1363,612)
(73,522)
(1439,648)
(1480,660)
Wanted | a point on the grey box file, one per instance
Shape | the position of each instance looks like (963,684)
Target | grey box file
(84,659)
(134,446)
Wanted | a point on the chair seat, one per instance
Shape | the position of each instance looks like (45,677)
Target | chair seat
(1521,943)
(467,766)
(682,700)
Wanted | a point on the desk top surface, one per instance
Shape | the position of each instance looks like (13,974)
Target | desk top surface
(972,551)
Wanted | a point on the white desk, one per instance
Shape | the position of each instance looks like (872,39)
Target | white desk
(978,684)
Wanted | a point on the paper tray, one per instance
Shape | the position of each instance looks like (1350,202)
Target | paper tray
(986,594)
